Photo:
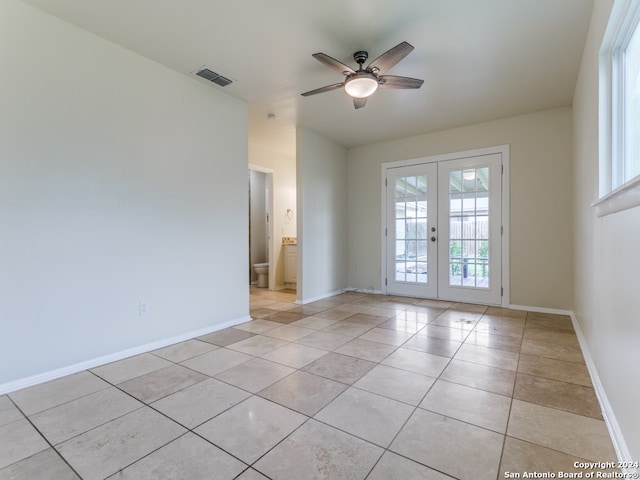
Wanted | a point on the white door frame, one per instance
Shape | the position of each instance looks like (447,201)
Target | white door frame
(503,150)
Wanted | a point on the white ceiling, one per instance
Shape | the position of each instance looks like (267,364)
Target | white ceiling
(480,59)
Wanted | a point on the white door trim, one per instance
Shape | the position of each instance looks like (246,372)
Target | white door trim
(500,149)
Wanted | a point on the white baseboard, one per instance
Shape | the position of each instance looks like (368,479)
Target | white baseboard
(304,301)
(112,357)
(365,290)
(555,311)
(619,444)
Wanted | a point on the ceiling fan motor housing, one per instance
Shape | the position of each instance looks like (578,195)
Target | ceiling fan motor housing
(360,57)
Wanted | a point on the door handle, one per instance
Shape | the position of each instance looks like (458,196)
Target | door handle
(433,239)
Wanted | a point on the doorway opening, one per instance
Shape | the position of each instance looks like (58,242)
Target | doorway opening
(261,228)
(445,227)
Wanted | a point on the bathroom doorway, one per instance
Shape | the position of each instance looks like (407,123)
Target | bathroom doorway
(260,222)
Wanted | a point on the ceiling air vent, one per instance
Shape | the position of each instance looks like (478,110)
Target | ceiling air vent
(212,76)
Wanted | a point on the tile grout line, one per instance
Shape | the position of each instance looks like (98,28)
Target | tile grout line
(513,391)
(26,417)
(417,406)
(385,449)
(295,370)
(188,430)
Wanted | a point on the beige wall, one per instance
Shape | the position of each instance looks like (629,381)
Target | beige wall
(541,201)
(283,165)
(607,261)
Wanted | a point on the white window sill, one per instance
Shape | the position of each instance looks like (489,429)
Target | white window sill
(622,198)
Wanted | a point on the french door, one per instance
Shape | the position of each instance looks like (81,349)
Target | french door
(444,229)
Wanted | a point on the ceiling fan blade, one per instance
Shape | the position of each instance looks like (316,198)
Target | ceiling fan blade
(359,102)
(389,58)
(393,81)
(333,63)
(328,88)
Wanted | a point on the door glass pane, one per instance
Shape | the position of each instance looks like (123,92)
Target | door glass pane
(410,186)
(469,204)
(421,228)
(421,185)
(411,210)
(421,265)
(455,181)
(469,180)
(411,232)
(455,204)
(455,274)
(400,272)
(482,226)
(455,228)
(469,250)
(483,179)
(400,260)
(422,251)
(469,228)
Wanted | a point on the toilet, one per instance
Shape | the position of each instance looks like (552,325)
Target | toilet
(262,269)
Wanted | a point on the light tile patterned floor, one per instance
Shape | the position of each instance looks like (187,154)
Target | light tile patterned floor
(351,387)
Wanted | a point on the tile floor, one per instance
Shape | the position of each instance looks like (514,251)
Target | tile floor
(352,387)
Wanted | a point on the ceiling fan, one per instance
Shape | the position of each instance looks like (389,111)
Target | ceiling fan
(363,82)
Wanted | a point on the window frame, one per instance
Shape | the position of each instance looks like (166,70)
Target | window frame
(616,192)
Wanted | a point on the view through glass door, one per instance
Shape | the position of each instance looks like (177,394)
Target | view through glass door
(444,229)
(411,240)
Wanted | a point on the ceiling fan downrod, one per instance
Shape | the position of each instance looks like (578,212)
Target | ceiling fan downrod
(360,57)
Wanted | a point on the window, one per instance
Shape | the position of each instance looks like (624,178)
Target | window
(620,102)
(626,101)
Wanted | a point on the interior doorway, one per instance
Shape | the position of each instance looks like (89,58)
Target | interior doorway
(444,227)
(260,222)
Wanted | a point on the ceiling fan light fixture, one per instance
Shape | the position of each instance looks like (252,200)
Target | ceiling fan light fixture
(363,82)
(361,85)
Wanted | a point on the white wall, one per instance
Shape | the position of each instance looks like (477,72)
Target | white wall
(283,165)
(541,201)
(607,260)
(322,216)
(120,181)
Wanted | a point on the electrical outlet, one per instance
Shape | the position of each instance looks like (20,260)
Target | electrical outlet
(143,308)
